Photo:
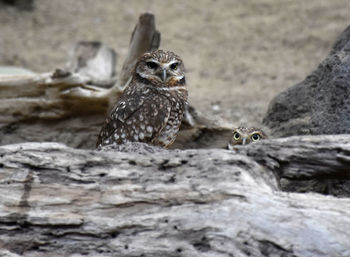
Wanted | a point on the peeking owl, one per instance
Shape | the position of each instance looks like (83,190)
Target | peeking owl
(243,136)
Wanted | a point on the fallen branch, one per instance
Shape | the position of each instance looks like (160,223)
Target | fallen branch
(62,93)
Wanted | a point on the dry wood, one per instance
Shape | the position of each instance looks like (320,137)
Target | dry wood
(49,96)
(307,164)
(144,38)
(302,157)
(62,93)
(94,60)
(146,201)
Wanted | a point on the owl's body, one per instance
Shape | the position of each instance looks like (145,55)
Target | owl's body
(151,108)
(244,135)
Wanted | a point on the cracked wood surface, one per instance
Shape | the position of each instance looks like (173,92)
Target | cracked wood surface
(139,200)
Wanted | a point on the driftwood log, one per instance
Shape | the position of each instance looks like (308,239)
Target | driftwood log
(144,38)
(146,201)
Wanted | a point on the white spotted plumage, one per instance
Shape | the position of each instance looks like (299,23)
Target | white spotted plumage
(152,106)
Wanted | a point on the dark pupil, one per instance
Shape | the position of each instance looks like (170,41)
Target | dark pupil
(152,65)
(256,137)
(174,66)
(236,135)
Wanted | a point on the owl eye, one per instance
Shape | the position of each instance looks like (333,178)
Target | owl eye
(236,136)
(255,137)
(152,65)
(174,66)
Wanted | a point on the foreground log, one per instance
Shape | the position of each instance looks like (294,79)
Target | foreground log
(307,164)
(146,201)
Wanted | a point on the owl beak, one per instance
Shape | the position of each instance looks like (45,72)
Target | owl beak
(244,139)
(164,74)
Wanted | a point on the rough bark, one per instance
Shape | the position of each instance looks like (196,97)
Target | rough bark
(138,200)
(308,164)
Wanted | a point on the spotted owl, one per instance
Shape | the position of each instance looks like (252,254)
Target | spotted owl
(243,135)
(152,106)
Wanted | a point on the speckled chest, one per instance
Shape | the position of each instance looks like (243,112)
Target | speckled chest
(177,102)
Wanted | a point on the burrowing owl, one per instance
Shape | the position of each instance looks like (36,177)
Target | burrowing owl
(243,135)
(151,107)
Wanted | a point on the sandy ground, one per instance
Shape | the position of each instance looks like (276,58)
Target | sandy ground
(238,54)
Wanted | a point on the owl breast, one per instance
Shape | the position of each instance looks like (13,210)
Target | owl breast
(176,113)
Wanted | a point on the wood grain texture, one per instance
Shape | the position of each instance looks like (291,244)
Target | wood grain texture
(138,200)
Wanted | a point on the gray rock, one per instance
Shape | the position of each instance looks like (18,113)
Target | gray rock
(321,103)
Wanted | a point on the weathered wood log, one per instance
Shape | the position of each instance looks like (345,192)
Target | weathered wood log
(49,96)
(302,157)
(64,92)
(146,201)
(308,164)
(144,38)
(94,60)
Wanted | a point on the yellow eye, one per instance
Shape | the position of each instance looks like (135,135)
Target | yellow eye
(255,137)
(236,136)
(174,66)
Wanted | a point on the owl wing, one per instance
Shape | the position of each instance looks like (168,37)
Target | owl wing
(138,117)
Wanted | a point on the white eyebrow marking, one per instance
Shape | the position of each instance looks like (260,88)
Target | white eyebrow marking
(171,88)
(167,65)
(152,60)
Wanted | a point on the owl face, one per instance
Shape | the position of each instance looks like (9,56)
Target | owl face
(161,68)
(243,136)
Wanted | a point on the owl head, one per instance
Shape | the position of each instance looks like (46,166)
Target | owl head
(161,68)
(243,135)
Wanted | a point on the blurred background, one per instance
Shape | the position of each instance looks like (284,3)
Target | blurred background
(238,54)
